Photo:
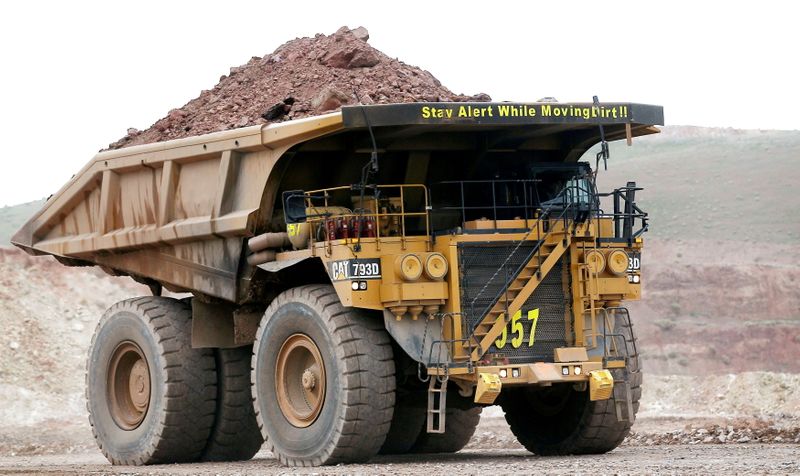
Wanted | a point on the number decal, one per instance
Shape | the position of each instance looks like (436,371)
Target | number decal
(518,331)
(634,262)
(501,342)
(516,328)
(363,268)
(533,315)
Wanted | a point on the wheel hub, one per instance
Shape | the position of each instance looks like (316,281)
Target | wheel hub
(128,384)
(309,380)
(300,380)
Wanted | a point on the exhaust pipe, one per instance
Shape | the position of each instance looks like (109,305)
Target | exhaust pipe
(263,247)
(261,257)
(268,240)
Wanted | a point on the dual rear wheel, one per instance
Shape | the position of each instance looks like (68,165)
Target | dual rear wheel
(153,399)
(321,377)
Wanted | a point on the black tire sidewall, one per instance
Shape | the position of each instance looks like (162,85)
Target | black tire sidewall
(123,444)
(288,319)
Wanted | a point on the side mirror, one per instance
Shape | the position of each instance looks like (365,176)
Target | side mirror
(294,206)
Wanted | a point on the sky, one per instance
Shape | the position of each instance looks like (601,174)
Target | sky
(74,76)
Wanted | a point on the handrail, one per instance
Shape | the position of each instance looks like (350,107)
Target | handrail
(527,204)
(626,212)
(325,195)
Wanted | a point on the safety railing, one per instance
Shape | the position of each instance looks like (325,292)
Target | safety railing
(626,213)
(566,208)
(380,214)
(509,199)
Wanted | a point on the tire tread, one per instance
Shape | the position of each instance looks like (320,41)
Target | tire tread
(368,393)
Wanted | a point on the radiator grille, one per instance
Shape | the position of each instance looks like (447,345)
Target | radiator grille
(478,262)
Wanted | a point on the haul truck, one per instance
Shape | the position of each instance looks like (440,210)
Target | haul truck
(361,282)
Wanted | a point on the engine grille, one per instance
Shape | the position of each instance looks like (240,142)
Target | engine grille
(478,262)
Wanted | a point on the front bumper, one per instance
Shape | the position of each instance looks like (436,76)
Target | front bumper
(542,373)
(491,379)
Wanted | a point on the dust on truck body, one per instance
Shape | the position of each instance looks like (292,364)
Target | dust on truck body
(373,276)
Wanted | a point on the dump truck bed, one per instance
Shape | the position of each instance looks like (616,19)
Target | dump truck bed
(177,213)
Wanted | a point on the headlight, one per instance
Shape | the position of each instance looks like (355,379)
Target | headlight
(409,267)
(595,260)
(436,266)
(617,262)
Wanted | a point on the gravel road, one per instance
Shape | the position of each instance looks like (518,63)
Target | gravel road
(658,445)
(681,459)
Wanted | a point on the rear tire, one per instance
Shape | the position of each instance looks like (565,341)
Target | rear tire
(235,436)
(150,396)
(559,420)
(323,379)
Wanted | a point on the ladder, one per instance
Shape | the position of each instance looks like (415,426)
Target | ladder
(437,404)
(623,404)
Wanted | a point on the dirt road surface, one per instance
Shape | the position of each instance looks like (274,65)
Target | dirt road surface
(658,445)
(683,459)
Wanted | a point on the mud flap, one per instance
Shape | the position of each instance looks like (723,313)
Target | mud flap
(416,338)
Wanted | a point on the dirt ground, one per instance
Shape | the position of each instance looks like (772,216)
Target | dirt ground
(699,458)
(683,459)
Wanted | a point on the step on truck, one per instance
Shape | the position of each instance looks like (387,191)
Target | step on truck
(362,282)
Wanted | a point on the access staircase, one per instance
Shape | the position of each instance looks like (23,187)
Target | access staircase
(544,257)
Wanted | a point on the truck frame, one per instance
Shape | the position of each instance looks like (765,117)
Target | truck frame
(371,277)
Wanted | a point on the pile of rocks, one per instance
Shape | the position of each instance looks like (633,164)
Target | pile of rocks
(718,434)
(304,77)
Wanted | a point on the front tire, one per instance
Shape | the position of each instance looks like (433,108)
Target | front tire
(150,396)
(323,379)
(560,420)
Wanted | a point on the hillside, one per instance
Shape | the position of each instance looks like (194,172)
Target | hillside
(716,184)
(722,261)
(11,218)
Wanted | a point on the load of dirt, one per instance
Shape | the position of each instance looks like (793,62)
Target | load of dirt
(304,77)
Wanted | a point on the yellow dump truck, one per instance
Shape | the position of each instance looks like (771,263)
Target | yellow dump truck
(361,282)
